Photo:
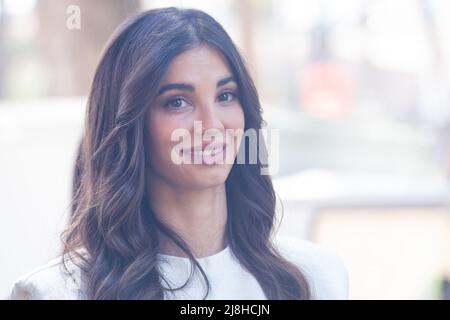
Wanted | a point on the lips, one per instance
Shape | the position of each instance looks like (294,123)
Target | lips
(208,154)
(207,149)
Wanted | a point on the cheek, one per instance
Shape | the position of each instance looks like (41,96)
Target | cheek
(234,118)
(160,134)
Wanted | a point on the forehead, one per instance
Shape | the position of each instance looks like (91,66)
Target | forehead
(200,63)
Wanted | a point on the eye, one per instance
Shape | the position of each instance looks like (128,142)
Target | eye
(227,96)
(176,103)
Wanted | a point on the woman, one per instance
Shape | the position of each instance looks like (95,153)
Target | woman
(157,219)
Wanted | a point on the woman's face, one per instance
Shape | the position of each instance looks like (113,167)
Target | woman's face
(197,104)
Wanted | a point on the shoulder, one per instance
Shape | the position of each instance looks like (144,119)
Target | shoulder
(325,271)
(52,281)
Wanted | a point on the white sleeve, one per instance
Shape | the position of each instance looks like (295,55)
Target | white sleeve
(326,273)
(21,290)
(331,280)
(49,282)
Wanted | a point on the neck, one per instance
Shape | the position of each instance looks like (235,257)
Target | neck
(198,216)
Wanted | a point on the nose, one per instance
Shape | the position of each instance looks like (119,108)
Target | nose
(210,117)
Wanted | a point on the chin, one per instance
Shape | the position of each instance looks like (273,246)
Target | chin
(205,176)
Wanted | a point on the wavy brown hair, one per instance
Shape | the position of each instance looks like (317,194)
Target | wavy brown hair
(111,222)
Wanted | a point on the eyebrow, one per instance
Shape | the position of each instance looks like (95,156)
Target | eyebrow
(189,87)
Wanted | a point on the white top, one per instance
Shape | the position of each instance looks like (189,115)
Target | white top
(324,270)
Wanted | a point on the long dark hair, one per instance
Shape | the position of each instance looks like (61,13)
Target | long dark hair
(112,222)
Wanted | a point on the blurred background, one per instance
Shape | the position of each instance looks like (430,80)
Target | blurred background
(359,90)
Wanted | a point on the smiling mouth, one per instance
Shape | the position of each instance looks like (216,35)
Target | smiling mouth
(210,154)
